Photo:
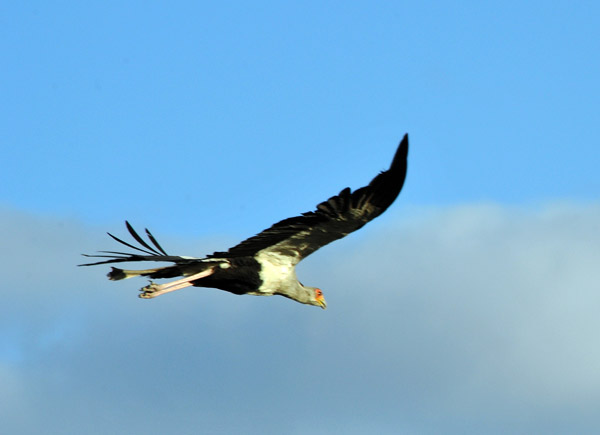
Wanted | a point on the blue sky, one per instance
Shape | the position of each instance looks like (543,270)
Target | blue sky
(208,122)
(112,110)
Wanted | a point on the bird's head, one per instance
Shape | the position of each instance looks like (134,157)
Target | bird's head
(306,295)
(318,299)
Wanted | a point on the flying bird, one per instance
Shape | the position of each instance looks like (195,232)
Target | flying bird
(264,264)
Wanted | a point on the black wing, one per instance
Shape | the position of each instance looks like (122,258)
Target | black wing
(300,236)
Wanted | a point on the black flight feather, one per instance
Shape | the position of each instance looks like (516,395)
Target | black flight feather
(333,219)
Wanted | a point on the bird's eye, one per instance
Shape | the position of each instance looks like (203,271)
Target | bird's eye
(318,292)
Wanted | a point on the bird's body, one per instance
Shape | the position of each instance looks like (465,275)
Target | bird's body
(265,264)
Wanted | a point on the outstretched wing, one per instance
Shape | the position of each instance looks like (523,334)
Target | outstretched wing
(300,236)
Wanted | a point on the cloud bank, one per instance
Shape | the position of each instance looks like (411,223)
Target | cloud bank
(475,318)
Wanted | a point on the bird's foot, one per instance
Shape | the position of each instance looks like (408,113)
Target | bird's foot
(150,291)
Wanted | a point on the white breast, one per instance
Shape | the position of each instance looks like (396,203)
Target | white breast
(277,272)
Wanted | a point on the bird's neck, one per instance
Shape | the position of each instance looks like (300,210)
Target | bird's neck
(298,293)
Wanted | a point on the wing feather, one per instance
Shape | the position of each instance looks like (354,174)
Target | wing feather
(333,219)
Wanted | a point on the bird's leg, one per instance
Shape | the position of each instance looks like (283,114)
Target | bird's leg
(153,290)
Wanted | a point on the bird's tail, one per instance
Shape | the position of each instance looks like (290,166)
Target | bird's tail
(149,251)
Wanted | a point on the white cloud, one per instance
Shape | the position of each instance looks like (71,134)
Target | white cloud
(476,318)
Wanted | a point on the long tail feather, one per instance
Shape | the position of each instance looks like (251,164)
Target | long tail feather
(139,239)
(156,253)
(153,240)
(129,245)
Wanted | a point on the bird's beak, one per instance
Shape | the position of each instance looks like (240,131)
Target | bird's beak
(322,302)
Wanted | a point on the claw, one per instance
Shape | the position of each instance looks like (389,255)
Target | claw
(150,291)
(146,295)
